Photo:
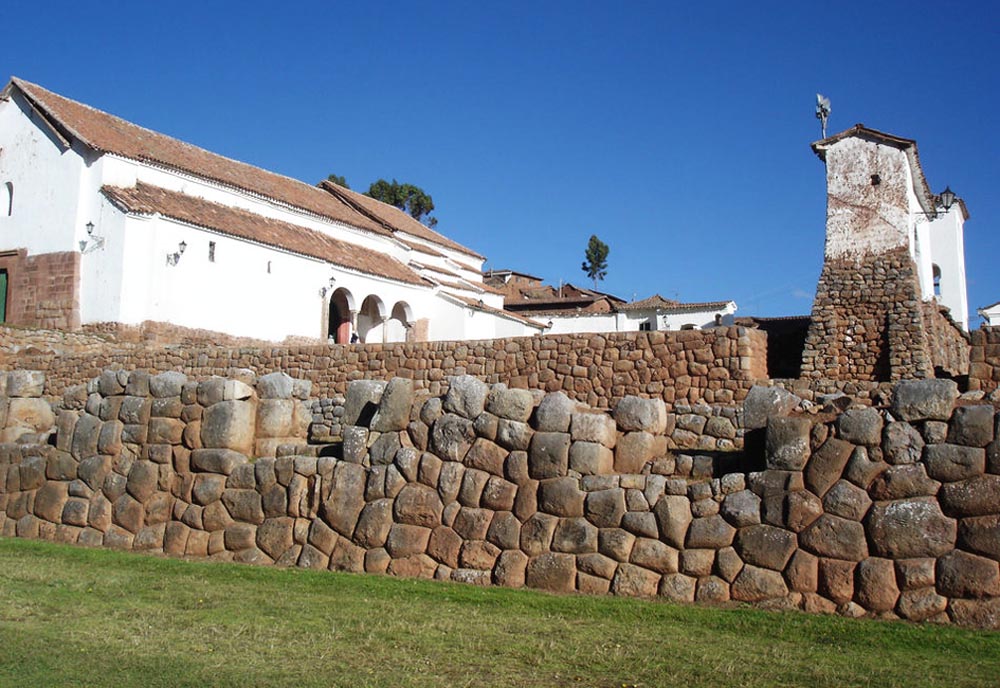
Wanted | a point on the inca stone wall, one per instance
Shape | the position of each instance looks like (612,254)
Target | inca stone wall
(984,368)
(887,512)
(714,366)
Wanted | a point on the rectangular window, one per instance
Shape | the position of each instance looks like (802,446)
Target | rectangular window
(646,326)
(211,252)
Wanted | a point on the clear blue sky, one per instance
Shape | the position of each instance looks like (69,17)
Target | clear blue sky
(678,134)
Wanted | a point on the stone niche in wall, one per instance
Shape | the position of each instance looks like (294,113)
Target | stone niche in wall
(891,512)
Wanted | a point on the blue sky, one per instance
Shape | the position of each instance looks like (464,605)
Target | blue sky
(678,134)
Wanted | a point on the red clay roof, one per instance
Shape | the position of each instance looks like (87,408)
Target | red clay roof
(480,306)
(109,134)
(147,199)
(391,216)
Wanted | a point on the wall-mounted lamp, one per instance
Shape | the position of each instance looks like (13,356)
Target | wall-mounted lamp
(92,242)
(174,258)
(943,200)
(324,289)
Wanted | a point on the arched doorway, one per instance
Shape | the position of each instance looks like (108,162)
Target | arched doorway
(339,327)
(397,328)
(371,320)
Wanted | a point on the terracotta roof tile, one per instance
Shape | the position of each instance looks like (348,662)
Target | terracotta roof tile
(392,216)
(110,134)
(147,199)
(480,306)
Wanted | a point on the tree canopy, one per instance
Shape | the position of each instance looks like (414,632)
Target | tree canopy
(339,180)
(411,199)
(596,263)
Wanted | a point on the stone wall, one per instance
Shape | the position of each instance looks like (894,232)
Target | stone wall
(984,368)
(42,289)
(891,513)
(714,366)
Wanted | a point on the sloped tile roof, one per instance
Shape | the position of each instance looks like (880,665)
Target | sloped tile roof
(146,199)
(109,134)
(670,306)
(480,306)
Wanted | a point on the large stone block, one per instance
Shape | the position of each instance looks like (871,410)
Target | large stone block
(755,584)
(274,417)
(229,425)
(766,546)
(981,535)
(511,404)
(901,482)
(510,569)
(393,412)
(673,515)
(605,508)
(561,497)
(275,386)
(554,413)
(418,505)
(635,581)
(466,396)
(860,426)
(347,497)
(961,574)
(979,496)
(513,435)
(954,462)
(764,403)
(972,426)
(710,532)
(50,501)
(486,456)
(405,540)
(548,456)
(536,533)
(787,443)
(168,384)
(633,451)
(552,571)
(654,555)
(827,465)
(594,427)
(374,524)
(452,437)
(222,461)
(635,413)
(741,508)
(924,399)
(835,537)
(591,458)
(910,528)
(575,536)
(847,501)
(361,401)
(25,383)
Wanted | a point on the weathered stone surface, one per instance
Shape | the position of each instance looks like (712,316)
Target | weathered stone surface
(910,528)
(981,535)
(222,461)
(125,513)
(712,590)
(787,443)
(710,532)
(754,584)
(599,428)
(548,456)
(835,537)
(25,383)
(860,426)
(763,403)
(924,399)
(605,508)
(561,496)
(504,530)
(979,496)
(444,546)
(536,533)
(513,435)
(405,540)
(976,613)
(741,508)
(412,566)
(275,386)
(50,500)
(654,555)
(847,501)
(827,465)
(635,413)
(244,505)
(766,546)
(575,536)
(591,458)
(168,384)
(802,572)
(466,396)
(836,580)
(920,605)
(634,450)
(510,569)
(374,524)
(875,586)
(554,413)
(418,505)
(634,581)
(901,482)
(382,451)
(678,587)
(615,543)
(342,508)
(143,480)
(902,444)
(972,426)
(642,523)
(498,494)
(393,412)
(512,404)
(961,574)
(473,483)
(953,462)
(552,571)
(361,401)
(229,425)
(347,556)
(479,555)
(452,437)
(274,417)
(673,514)
(862,470)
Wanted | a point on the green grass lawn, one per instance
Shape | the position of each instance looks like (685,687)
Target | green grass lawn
(79,617)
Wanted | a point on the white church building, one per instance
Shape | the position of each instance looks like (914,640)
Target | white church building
(103,221)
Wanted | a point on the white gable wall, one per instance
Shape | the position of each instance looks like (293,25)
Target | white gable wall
(947,241)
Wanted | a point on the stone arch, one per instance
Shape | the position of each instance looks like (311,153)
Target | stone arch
(371,320)
(397,327)
(342,308)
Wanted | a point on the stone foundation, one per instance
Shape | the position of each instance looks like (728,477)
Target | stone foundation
(984,368)
(42,290)
(888,513)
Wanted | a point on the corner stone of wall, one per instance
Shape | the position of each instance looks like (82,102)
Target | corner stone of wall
(891,512)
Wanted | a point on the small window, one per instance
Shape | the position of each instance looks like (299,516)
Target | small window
(646,326)
(937,280)
(688,326)
(211,252)
(269,267)
(8,198)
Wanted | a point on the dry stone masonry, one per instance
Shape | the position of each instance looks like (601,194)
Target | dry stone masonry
(889,512)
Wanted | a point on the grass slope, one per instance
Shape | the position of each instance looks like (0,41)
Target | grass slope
(79,617)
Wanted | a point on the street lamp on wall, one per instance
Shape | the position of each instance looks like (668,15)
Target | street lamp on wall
(92,242)
(175,257)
